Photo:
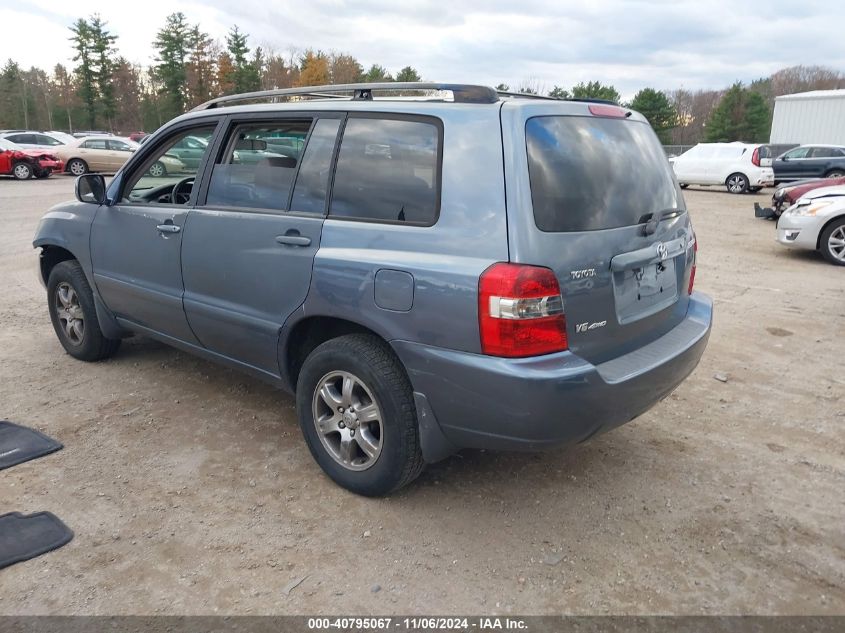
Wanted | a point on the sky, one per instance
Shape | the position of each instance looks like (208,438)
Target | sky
(630,44)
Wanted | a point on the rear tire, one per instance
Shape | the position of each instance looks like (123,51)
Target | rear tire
(836,173)
(754,189)
(44,173)
(378,389)
(157,170)
(737,183)
(71,304)
(22,171)
(683,185)
(832,242)
(77,167)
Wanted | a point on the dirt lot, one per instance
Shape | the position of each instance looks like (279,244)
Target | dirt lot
(191,491)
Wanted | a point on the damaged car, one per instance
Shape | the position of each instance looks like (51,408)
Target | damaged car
(24,164)
(784,197)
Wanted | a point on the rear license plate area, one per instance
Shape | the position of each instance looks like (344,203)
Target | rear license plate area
(646,290)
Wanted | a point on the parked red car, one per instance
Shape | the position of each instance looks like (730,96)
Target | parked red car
(23,164)
(786,195)
(138,137)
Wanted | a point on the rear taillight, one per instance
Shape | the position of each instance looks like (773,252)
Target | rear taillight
(520,311)
(755,157)
(692,268)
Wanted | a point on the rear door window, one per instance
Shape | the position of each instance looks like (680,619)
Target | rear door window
(593,173)
(255,171)
(388,171)
(312,182)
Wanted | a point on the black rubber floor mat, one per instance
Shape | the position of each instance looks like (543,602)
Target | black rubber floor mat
(19,444)
(26,536)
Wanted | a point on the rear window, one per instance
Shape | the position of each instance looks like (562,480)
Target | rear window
(592,173)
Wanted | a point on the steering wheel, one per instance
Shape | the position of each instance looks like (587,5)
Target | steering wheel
(182,191)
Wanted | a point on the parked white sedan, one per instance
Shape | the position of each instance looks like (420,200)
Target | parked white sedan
(817,222)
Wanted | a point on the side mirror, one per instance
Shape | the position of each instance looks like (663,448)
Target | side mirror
(91,188)
(784,158)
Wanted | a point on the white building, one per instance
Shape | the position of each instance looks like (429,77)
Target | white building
(810,117)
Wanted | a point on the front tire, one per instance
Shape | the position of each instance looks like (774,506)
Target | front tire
(22,171)
(71,305)
(77,167)
(683,185)
(836,173)
(832,242)
(737,183)
(356,411)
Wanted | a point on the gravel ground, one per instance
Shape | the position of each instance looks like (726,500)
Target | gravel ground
(191,491)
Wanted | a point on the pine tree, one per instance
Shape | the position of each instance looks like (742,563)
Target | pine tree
(742,115)
(245,76)
(377,74)
(656,107)
(83,45)
(172,45)
(408,74)
(104,49)
(595,90)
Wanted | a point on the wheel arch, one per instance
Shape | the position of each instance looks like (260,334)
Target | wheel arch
(51,255)
(838,217)
(303,336)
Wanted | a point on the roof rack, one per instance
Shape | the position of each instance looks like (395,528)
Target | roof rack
(461,93)
(528,95)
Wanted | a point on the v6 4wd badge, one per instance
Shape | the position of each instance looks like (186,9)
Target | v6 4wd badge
(585,327)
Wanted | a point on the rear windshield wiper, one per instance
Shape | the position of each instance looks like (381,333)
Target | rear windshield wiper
(652,220)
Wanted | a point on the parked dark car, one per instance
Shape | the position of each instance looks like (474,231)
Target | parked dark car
(810,161)
(490,272)
(785,196)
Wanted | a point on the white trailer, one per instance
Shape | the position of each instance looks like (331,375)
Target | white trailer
(810,117)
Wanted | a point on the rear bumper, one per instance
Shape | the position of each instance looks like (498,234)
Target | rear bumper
(534,403)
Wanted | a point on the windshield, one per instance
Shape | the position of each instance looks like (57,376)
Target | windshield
(8,145)
(593,173)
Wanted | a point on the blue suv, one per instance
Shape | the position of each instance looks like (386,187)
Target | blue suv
(440,267)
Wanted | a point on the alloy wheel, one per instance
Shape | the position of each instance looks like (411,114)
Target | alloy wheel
(836,243)
(348,420)
(70,313)
(22,172)
(736,184)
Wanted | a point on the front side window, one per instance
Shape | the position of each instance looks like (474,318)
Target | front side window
(387,170)
(164,178)
(256,170)
(800,152)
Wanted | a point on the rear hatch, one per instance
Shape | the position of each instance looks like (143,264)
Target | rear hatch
(596,201)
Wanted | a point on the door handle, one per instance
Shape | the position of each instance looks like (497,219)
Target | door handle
(293,238)
(168,228)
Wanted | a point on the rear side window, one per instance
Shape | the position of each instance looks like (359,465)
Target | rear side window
(826,152)
(95,144)
(256,171)
(387,171)
(592,173)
